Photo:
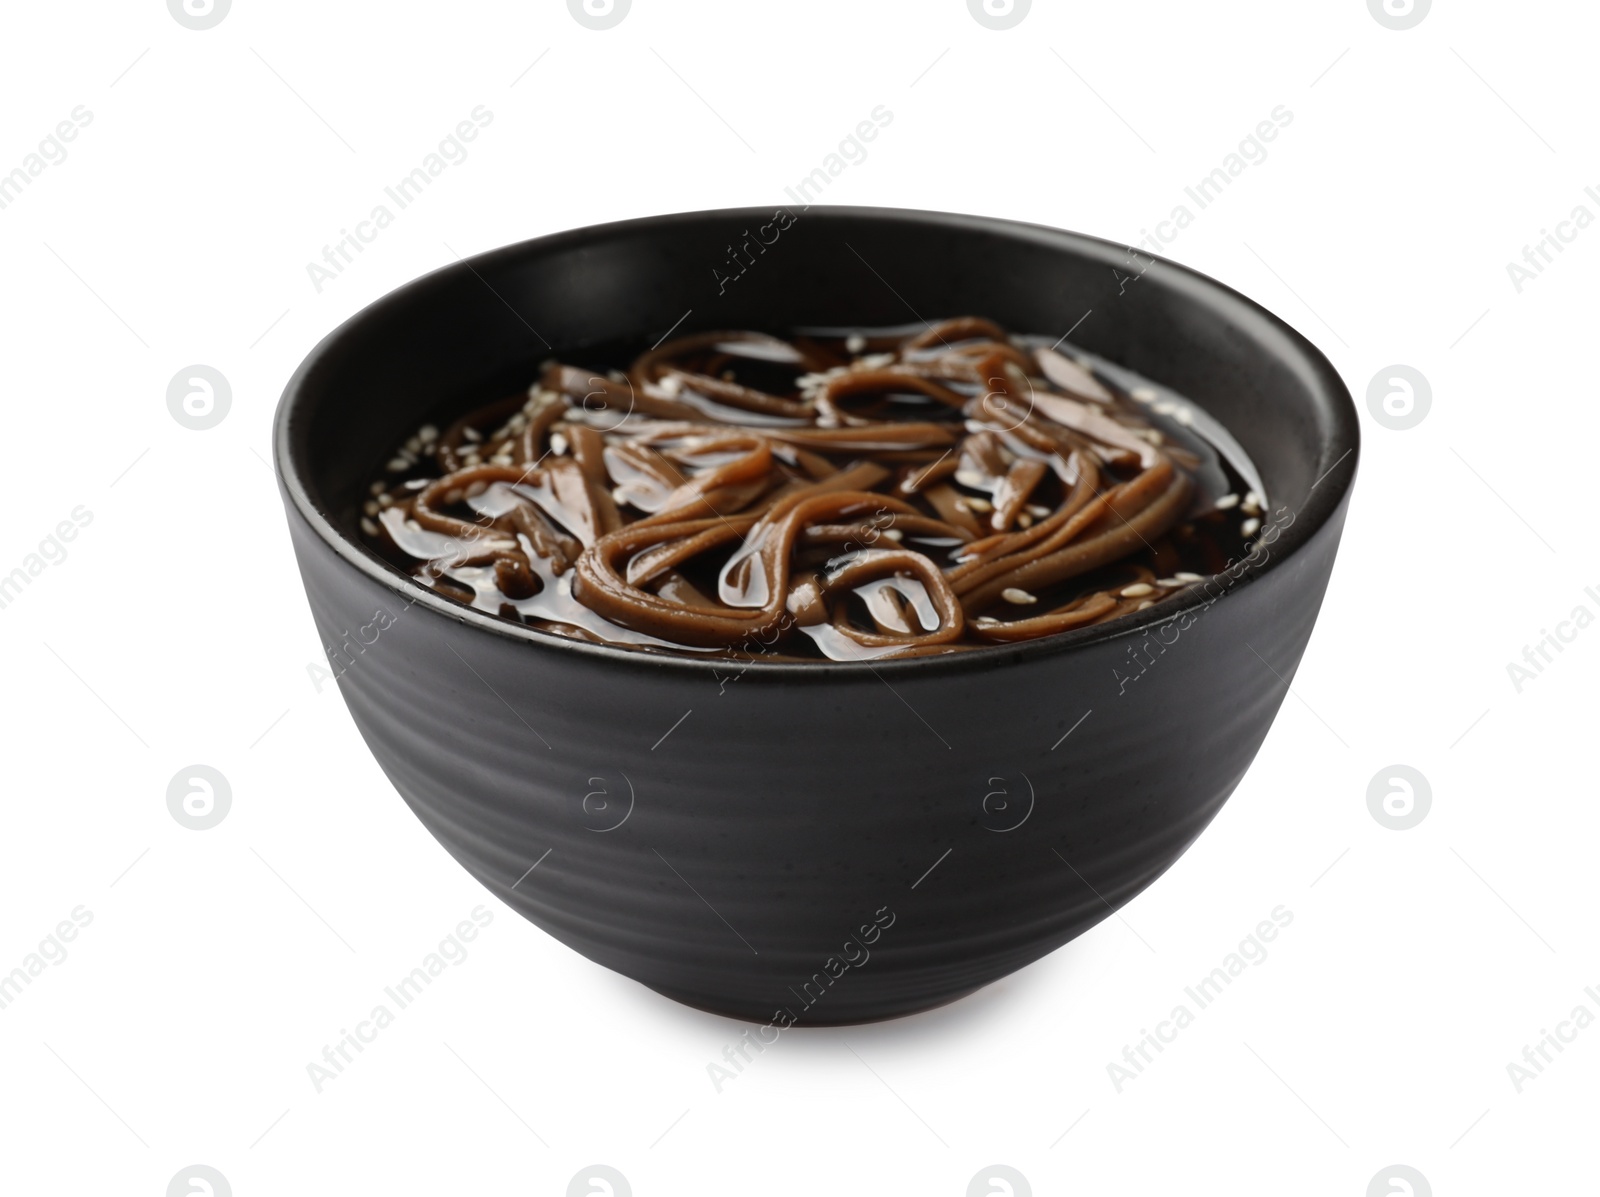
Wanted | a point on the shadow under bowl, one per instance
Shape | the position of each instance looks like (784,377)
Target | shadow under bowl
(817,843)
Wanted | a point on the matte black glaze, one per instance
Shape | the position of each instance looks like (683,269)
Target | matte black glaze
(767,815)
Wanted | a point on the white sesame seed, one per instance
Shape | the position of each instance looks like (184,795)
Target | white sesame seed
(981,505)
(472,434)
(1251,504)
(1013,594)
(616,376)
(1166,408)
(987,621)
(370,507)
(558,443)
(1137,590)
(367,526)
(972,478)
(385,500)
(1024,520)
(1250,527)
(1038,511)
(1226,502)
(1143,605)
(1145,394)
(397,464)
(894,534)
(1184,416)
(620,496)
(377,488)
(427,433)
(855,342)
(1168,583)
(452,496)
(1185,576)
(477,488)
(414,445)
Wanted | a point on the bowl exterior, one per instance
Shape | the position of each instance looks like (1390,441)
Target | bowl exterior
(831,847)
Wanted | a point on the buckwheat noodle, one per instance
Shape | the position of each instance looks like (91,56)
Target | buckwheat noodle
(739,493)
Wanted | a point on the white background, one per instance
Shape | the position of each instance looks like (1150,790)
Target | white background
(177,231)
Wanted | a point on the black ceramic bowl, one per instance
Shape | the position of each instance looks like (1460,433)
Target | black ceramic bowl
(821,843)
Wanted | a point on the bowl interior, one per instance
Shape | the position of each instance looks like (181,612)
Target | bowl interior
(480,328)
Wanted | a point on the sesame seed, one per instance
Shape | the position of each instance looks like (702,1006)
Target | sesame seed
(1024,520)
(1184,576)
(385,500)
(1168,583)
(982,505)
(1226,502)
(367,526)
(477,488)
(1013,594)
(472,434)
(1137,590)
(988,621)
(1166,408)
(972,478)
(1038,511)
(370,507)
(398,464)
(414,445)
(1184,416)
(377,488)
(1143,605)
(1145,394)
(452,496)
(1251,504)
(1250,527)
(558,443)
(855,342)
(428,433)
(894,534)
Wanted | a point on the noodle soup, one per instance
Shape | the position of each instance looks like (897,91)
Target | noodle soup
(831,494)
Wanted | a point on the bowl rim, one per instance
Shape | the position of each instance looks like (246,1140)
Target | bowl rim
(1236,308)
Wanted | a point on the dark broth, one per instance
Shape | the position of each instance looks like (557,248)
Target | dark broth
(843,494)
